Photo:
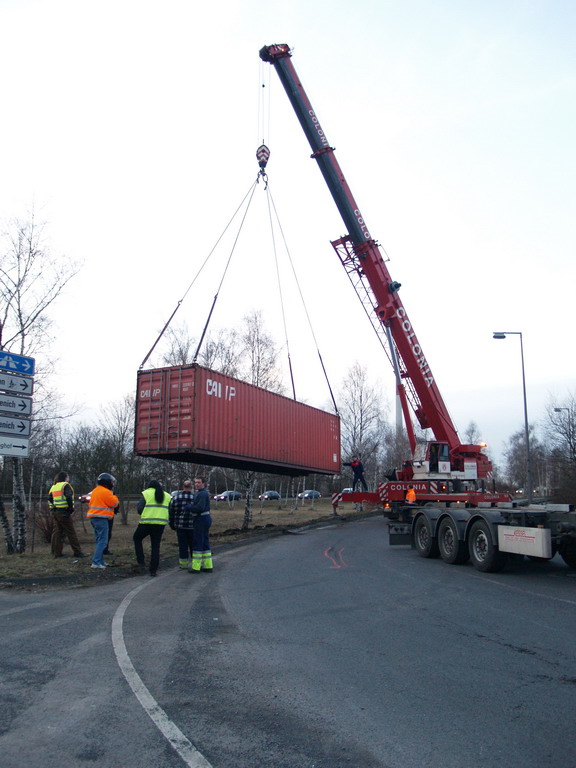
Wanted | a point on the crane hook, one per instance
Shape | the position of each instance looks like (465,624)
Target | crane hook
(263,155)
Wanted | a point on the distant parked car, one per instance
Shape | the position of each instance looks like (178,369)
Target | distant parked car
(309,495)
(269,495)
(228,496)
(347,490)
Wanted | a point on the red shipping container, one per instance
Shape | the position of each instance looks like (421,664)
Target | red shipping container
(189,413)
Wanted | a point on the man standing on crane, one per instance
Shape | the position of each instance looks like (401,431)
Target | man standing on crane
(358,473)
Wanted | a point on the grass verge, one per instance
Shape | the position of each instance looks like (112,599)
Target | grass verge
(38,569)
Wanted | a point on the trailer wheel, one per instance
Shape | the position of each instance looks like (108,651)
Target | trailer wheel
(568,554)
(452,549)
(484,554)
(426,545)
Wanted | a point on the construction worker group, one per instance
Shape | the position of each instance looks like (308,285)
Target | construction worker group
(187,512)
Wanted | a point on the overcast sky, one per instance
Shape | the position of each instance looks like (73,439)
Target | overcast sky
(131,128)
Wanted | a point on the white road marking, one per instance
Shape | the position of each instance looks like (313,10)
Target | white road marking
(524,591)
(187,751)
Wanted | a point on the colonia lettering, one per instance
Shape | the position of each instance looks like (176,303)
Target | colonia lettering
(416,348)
(360,221)
(324,140)
(317,126)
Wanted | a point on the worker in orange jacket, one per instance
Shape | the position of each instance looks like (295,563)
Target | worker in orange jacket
(101,508)
(410,495)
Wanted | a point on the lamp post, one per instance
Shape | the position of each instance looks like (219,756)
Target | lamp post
(502,335)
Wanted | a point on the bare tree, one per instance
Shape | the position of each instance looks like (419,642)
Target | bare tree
(247,480)
(472,434)
(560,426)
(118,427)
(31,279)
(179,346)
(362,418)
(260,353)
(394,451)
(249,353)
(81,452)
(560,431)
(222,352)
(516,459)
(359,411)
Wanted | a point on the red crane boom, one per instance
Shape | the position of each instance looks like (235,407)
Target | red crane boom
(362,258)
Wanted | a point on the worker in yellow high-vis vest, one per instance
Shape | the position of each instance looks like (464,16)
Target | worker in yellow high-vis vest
(153,511)
(61,502)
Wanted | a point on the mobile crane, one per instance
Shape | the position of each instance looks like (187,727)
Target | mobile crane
(456,515)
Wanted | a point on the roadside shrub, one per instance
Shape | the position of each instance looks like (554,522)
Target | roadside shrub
(44,524)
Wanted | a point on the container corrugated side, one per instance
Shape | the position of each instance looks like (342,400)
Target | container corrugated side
(194,414)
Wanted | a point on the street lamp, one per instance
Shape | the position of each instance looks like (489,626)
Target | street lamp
(502,335)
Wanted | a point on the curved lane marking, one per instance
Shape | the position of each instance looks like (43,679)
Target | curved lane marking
(187,751)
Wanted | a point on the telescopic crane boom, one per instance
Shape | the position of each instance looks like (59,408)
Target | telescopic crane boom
(362,258)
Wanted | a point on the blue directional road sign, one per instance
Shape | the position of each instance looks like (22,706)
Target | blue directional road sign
(17,363)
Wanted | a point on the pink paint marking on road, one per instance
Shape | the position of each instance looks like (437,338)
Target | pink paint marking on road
(341,564)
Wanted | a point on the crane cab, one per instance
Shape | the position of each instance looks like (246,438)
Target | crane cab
(431,460)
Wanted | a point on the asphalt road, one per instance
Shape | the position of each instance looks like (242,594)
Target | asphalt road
(327,649)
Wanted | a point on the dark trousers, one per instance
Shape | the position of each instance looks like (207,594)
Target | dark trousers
(185,538)
(202,525)
(63,526)
(359,479)
(155,532)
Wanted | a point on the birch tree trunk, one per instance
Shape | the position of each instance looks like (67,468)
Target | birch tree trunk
(19,506)
(8,539)
(250,479)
